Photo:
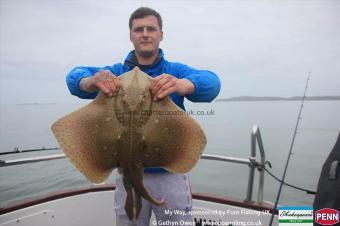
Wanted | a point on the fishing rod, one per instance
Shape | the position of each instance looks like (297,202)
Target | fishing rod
(17,150)
(290,151)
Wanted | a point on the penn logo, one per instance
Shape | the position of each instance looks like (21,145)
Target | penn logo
(327,216)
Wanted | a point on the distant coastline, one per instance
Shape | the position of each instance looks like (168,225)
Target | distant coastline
(269,98)
(36,103)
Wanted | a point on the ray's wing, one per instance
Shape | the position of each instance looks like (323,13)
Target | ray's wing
(173,140)
(88,138)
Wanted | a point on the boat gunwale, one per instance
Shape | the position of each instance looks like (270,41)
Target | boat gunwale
(11,207)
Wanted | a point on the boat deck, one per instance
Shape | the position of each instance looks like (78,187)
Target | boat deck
(95,206)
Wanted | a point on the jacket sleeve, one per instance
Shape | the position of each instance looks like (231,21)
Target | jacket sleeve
(76,74)
(207,84)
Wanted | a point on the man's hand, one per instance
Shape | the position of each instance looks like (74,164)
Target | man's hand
(104,81)
(165,84)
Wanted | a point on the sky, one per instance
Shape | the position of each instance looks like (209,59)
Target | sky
(257,48)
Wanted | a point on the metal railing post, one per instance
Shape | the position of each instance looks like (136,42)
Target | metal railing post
(251,167)
(262,162)
(256,139)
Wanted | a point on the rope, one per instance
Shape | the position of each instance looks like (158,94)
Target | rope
(290,185)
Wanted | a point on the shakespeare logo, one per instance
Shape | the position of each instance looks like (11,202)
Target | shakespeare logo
(327,216)
(295,215)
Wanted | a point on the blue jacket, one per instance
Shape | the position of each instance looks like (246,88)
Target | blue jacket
(207,84)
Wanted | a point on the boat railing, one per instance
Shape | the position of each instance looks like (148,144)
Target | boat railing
(251,162)
(21,161)
(256,140)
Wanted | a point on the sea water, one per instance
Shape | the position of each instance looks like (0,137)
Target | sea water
(228,127)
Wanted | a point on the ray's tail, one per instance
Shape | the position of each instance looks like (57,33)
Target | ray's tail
(137,183)
(135,190)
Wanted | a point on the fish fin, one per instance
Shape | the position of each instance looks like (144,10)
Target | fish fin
(136,175)
(174,140)
(87,137)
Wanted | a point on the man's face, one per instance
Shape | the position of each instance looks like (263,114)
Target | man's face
(146,35)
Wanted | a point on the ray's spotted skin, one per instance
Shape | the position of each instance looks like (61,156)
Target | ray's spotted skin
(116,132)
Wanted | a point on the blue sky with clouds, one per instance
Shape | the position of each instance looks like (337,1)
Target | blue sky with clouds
(258,48)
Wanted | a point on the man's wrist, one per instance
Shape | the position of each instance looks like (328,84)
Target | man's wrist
(189,87)
(85,85)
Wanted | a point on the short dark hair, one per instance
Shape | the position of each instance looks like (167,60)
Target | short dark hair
(143,12)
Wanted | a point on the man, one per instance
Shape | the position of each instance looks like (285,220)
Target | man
(174,79)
